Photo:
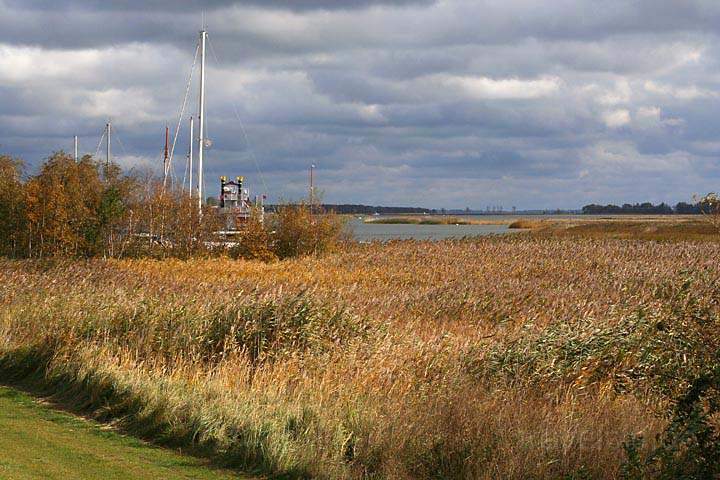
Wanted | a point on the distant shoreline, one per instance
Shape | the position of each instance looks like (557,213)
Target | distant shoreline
(430,220)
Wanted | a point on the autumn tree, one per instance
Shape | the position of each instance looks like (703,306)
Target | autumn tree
(116,212)
(167,223)
(62,201)
(13,221)
(710,208)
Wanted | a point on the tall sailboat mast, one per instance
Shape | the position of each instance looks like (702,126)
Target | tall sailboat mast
(190,155)
(107,145)
(201,118)
(166,156)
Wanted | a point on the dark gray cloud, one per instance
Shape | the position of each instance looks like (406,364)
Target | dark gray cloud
(200,5)
(445,104)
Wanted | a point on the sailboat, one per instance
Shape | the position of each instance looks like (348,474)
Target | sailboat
(234,198)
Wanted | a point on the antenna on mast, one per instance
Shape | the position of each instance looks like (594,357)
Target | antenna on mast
(75,149)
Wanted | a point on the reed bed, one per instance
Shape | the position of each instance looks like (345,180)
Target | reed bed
(525,223)
(487,358)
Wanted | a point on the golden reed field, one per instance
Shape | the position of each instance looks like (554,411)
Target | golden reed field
(505,357)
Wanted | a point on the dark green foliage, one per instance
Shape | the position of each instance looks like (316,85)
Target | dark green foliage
(646,208)
(111,206)
(442,461)
(581,474)
(689,448)
(633,467)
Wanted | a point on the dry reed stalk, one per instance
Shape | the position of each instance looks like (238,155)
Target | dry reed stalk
(392,360)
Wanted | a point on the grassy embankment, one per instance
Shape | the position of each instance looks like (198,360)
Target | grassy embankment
(673,228)
(489,358)
(39,443)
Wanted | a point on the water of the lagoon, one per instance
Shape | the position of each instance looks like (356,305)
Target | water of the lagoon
(366,232)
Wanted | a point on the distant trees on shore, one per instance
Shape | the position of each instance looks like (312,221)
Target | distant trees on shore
(359,209)
(647,208)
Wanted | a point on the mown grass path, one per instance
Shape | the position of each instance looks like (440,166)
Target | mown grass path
(40,443)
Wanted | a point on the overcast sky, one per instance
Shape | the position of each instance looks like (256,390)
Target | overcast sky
(452,103)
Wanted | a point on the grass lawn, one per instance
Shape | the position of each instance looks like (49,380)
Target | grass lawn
(40,443)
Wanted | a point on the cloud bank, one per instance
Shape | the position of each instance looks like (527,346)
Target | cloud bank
(447,103)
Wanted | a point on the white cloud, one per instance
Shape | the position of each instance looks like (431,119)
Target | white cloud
(504,88)
(607,158)
(681,93)
(371,113)
(651,117)
(652,113)
(616,118)
(22,64)
(620,94)
(130,105)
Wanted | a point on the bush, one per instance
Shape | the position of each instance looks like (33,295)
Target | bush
(293,231)
(255,243)
(298,231)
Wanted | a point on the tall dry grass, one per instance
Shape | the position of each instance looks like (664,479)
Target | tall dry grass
(488,358)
